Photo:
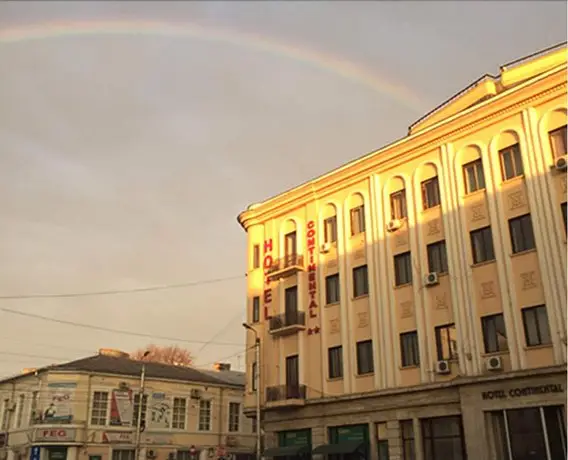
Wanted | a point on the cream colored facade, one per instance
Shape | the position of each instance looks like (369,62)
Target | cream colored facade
(507,129)
(84,425)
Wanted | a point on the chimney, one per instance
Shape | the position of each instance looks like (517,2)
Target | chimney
(222,366)
(113,352)
(28,370)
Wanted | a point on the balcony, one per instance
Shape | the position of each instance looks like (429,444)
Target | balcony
(287,323)
(286,266)
(285,396)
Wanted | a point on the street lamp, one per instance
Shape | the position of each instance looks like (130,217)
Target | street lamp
(256,378)
(140,403)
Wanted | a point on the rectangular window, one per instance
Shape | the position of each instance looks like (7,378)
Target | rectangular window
(291,304)
(443,438)
(473,176)
(482,245)
(537,330)
(330,229)
(253,376)
(136,409)
(20,413)
(178,413)
(99,408)
(204,415)
(398,205)
(123,454)
(446,342)
(234,416)
(558,142)
(335,362)
(360,281)
(290,248)
(409,353)
(5,415)
(332,289)
(437,257)
(564,216)
(256,256)
(511,162)
(407,435)
(430,193)
(357,220)
(254,424)
(255,309)
(402,269)
(494,333)
(522,236)
(365,357)
(33,408)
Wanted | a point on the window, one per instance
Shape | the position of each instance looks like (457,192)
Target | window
(255,309)
(330,229)
(136,409)
(234,416)
(357,220)
(291,304)
(5,415)
(335,362)
(446,342)
(123,454)
(398,205)
(522,236)
(33,407)
(204,415)
(365,357)
(402,269)
(511,162)
(437,257)
(537,331)
(360,281)
(178,414)
(558,142)
(290,248)
(20,412)
(430,193)
(564,216)
(407,435)
(254,424)
(409,352)
(443,438)
(494,333)
(256,256)
(99,408)
(253,377)
(482,245)
(473,176)
(332,289)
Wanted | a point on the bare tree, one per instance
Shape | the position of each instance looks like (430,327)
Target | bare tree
(172,354)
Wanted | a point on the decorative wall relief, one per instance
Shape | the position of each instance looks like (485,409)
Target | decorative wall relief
(401,240)
(441,302)
(434,227)
(363,319)
(488,290)
(406,309)
(529,280)
(477,212)
(516,200)
(359,254)
(332,263)
(334,326)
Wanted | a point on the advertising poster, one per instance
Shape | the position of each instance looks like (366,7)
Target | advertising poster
(59,402)
(121,408)
(160,411)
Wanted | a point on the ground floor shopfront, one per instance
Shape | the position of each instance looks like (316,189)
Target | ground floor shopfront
(518,416)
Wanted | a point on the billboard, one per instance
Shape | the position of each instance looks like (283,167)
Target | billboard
(59,402)
(121,408)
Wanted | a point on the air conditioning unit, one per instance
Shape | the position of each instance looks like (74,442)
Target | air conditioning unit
(195,394)
(495,363)
(325,247)
(394,225)
(561,163)
(442,367)
(431,279)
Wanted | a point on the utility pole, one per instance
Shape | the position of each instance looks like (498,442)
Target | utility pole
(256,379)
(140,405)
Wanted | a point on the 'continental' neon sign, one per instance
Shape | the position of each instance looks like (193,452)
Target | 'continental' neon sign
(312,269)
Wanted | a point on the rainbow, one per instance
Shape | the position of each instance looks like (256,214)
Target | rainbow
(335,65)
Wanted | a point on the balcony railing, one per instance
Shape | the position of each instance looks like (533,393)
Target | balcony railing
(287,323)
(285,394)
(286,266)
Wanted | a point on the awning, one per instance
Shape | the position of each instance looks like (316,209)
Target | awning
(346,447)
(286,451)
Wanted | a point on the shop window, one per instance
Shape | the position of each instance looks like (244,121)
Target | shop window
(360,281)
(178,413)
(511,162)
(256,256)
(437,257)
(402,269)
(482,245)
(443,438)
(407,438)
(409,353)
(398,205)
(564,216)
(446,342)
(58,453)
(330,229)
(99,408)
(522,236)
(382,441)
(234,416)
(123,454)
(537,330)
(358,220)
(494,333)
(255,309)
(332,289)
(430,193)
(335,362)
(558,142)
(473,176)
(365,363)
(204,415)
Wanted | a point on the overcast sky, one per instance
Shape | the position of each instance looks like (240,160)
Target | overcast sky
(125,158)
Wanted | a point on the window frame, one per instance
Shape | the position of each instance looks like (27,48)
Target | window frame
(407,440)
(357,214)
(409,357)
(234,418)
(179,421)
(534,310)
(552,133)
(253,372)
(400,197)
(476,166)
(564,212)
(365,281)
(201,427)
(335,368)
(439,343)
(256,256)
(440,250)
(330,223)
(489,326)
(99,415)
(428,201)
(337,291)
(516,162)
(407,268)
(526,234)
(144,411)
(364,348)
(256,309)
(479,240)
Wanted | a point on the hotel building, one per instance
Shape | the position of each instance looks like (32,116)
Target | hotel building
(411,304)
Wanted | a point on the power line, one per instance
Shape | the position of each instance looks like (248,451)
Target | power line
(108,329)
(221,331)
(120,291)
(25,355)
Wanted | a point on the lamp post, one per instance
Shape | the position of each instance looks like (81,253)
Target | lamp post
(256,378)
(140,404)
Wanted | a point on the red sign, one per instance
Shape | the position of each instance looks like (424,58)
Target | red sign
(267,264)
(312,269)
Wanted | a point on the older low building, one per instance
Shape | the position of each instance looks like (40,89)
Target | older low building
(412,303)
(88,409)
